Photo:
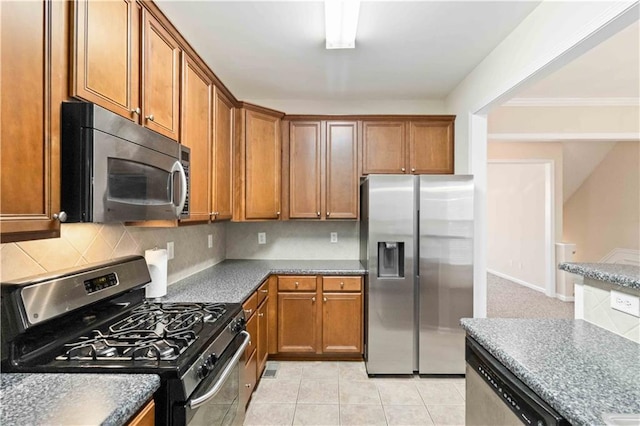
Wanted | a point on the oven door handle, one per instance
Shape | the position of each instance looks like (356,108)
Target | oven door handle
(177,168)
(196,402)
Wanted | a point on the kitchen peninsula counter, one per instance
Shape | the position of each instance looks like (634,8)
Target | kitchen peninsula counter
(581,370)
(73,399)
(623,275)
(232,281)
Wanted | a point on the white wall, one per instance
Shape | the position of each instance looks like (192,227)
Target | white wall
(293,240)
(516,222)
(550,37)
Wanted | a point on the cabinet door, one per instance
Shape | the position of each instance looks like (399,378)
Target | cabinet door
(297,322)
(262,349)
(342,170)
(33,84)
(342,322)
(106,55)
(383,147)
(262,174)
(146,416)
(222,157)
(431,147)
(160,78)
(304,175)
(195,133)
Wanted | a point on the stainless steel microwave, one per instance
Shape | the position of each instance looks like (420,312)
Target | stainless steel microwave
(114,170)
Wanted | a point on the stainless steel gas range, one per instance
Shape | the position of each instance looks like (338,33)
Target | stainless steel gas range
(95,319)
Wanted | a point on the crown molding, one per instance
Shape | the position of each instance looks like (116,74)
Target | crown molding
(560,137)
(571,102)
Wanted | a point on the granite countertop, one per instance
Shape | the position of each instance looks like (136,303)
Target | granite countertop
(232,281)
(73,399)
(623,275)
(580,369)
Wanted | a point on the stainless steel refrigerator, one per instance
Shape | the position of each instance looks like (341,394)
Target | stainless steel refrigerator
(416,242)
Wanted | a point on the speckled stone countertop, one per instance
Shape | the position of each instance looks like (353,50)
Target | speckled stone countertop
(623,275)
(233,281)
(580,369)
(73,399)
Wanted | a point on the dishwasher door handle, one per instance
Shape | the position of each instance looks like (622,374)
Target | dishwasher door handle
(197,402)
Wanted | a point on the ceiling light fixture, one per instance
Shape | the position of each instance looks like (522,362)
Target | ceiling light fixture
(341,23)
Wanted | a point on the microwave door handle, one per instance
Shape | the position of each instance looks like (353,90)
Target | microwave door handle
(196,402)
(177,168)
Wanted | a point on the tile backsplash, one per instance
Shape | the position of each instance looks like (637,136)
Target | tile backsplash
(82,243)
(598,311)
(293,240)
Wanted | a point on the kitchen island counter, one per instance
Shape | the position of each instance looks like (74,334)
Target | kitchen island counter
(232,281)
(622,275)
(73,399)
(581,370)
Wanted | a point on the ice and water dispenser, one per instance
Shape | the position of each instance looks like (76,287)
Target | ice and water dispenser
(390,259)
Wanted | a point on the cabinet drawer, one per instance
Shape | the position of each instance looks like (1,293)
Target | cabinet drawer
(293,283)
(263,292)
(250,305)
(342,284)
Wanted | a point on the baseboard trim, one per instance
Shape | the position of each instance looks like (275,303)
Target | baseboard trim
(516,280)
(565,298)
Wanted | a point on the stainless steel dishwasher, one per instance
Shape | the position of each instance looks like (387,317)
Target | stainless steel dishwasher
(495,396)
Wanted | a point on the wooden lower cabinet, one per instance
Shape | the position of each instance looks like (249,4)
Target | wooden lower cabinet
(262,350)
(248,379)
(146,416)
(297,317)
(342,322)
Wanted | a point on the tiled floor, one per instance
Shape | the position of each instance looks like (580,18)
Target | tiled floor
(340,393)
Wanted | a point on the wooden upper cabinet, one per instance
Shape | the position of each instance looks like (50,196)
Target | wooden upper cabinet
(431,146)
(383,147)
(304,170)
(342,186)
(222,206)
(262,166)
(160,78)
(33,83)
(195,132)
(105,61)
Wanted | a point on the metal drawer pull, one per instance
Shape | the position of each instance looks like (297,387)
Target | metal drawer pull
(297,284)
(248,385)
(264,291)
(248,311)
(341,284)
(150,117)
(261,314)
(402,169)
(228,369)
(313,299)
(324,298)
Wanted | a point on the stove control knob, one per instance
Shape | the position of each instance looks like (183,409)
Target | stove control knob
(238,326)
(203,371)
(212,360)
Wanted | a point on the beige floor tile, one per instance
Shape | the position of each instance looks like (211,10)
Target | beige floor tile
(437,393)
(320,370)
(407,415)
(276,391)
(269,414)
(399,393)
(318,392)
(362,415)
(352,371)
(447,415)
(314,414)
(359,393)
(289,371)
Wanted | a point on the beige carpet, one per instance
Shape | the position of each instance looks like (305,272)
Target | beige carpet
(506,299)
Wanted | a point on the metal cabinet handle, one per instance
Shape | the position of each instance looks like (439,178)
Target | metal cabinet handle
(324,299)
(150,117)
(261,314)
(328,213)
(248,385)
(277,213)
(341,284)
(313,299)
(297,284)
(413,169)
(318,214)
(402,169)
(264,291)
(62,216)
(248,311)
(136,111)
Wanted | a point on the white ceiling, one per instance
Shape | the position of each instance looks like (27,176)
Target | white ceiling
(609,70)
(404,50)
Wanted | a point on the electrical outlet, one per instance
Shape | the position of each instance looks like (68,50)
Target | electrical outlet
(334,237)
(626,303)
(170,252)
(210,241)
(262,238)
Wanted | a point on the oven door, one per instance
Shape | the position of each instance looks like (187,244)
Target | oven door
(217,400)
(132,182)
